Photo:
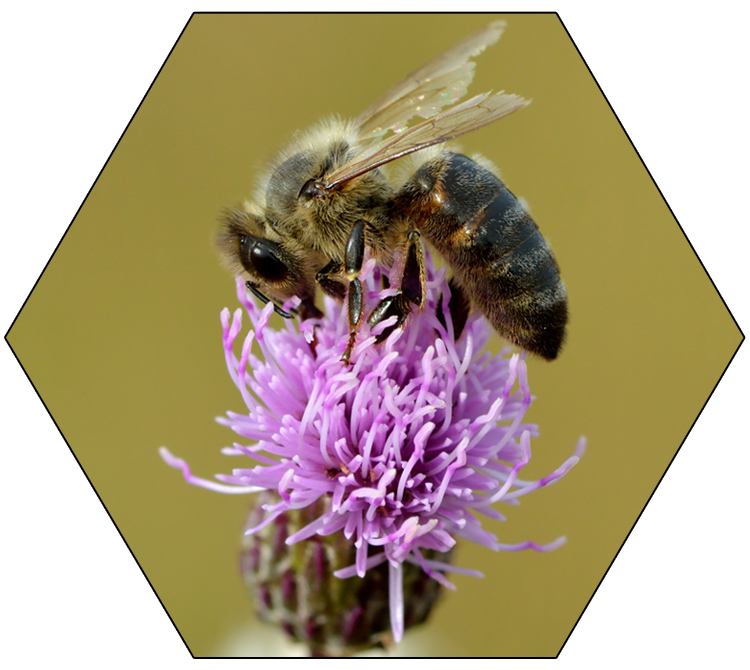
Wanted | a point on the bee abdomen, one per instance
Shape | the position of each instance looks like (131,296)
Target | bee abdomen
(495,248)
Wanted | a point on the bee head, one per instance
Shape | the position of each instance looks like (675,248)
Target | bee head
(267,265)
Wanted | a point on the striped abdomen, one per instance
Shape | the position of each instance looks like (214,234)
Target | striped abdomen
(497,253)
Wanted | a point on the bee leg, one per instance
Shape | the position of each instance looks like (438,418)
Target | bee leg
(331,286)
(411,290)
(265,300)
(353,259)
(355,317)
(414,279)
(459,307)
(308,310)
(393,305)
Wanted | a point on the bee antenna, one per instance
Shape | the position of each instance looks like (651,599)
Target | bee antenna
(266,300)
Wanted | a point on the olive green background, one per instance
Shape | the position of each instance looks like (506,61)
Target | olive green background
(134,292)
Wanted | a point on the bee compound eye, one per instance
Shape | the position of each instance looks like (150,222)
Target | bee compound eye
(245,246)
(266,263)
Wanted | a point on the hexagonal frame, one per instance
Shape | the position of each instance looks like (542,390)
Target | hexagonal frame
(480,66)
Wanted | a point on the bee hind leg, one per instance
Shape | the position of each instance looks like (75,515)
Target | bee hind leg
(411,289)
(459,307)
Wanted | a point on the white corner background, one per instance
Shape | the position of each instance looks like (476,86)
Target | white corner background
(72,76)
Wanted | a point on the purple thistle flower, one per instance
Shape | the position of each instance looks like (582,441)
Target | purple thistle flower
(402,450)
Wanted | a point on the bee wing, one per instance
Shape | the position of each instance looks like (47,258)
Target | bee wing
(426,91)
(469,115)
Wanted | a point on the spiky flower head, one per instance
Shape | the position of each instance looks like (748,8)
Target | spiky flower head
(390,459)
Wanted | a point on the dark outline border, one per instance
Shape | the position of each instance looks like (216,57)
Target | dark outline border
(583,60)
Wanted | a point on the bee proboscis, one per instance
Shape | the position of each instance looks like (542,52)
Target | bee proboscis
(325,200)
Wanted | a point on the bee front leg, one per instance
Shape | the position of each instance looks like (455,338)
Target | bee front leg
(411,289)
(327,280)
(355,255)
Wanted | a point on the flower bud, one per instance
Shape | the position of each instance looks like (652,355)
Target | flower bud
(294,587)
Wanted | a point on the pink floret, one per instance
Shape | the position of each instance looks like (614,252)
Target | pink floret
(407,445)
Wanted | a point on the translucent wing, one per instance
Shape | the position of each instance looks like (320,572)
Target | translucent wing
(460,119)
(426,91)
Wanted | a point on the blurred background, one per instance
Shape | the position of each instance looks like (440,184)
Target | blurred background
(133,295)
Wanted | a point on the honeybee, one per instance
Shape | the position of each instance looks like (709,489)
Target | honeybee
(325,200)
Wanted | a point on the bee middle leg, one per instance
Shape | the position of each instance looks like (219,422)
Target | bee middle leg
(411,289)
